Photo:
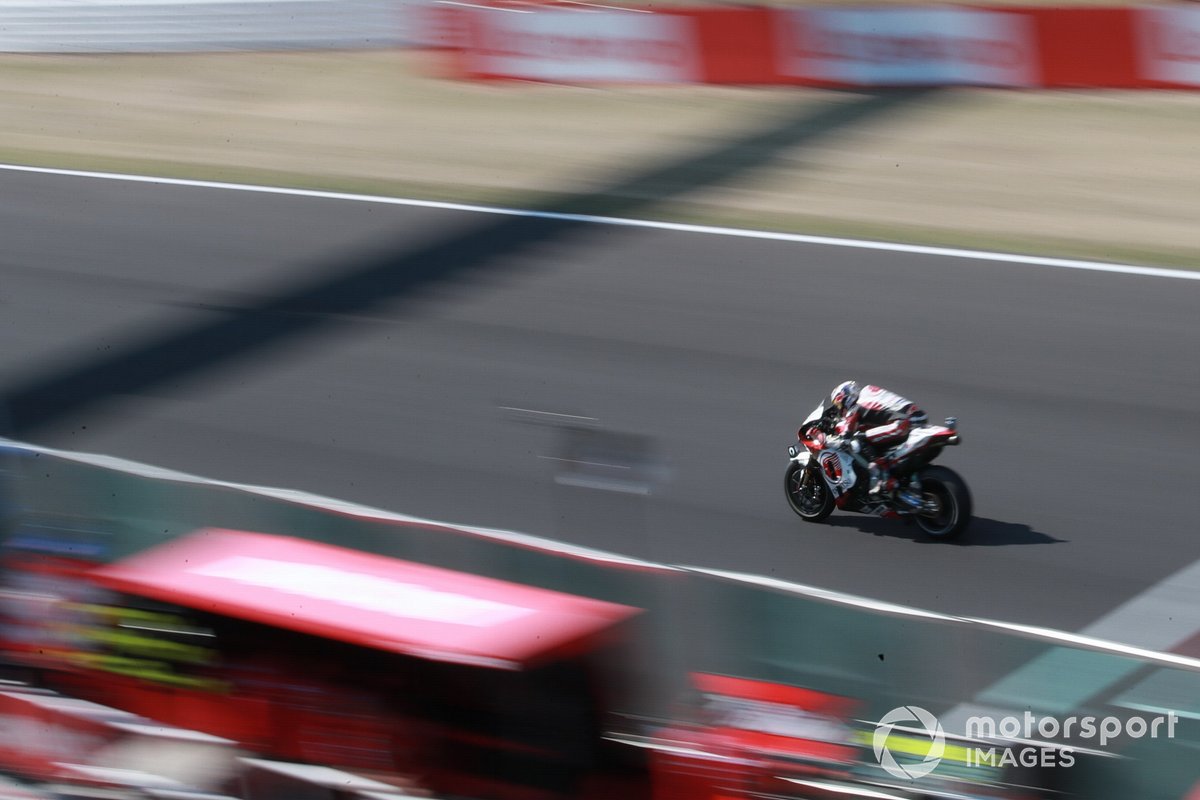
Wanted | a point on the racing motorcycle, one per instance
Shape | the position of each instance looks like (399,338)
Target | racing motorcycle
(827,471)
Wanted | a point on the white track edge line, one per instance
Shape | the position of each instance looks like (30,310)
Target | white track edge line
(1031,631)
(679,227)
(828,595)
(332,504)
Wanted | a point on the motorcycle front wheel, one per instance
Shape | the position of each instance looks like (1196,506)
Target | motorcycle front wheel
(807,494)
(950,502)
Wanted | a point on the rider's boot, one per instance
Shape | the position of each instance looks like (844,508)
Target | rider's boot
(882,483)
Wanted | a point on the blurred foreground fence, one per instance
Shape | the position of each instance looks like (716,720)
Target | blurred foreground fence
(700,620)
(155,26)
(571,41)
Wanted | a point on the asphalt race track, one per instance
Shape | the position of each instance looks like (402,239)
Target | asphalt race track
(376,353)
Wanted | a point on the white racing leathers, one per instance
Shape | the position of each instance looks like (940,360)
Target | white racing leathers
(885,419)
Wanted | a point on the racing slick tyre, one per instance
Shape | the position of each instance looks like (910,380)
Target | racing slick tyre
(950,503)
(807,494)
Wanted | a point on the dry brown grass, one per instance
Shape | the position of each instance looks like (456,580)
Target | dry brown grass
(1077,173)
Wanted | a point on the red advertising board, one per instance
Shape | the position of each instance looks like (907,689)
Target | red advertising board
(574,46)
(310,652)
(364,599)
(1017,47)
(46,736)
(1168,45)
(1083,47)
(906,46)
(753,738)
(39,731)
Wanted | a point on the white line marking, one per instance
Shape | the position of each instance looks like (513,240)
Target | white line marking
(585,463)
(855,790)
(165,630)
(534,411)
(610,8)
(485,8)
(824,594)
(1088,642)
(339,506)
(678,227)
(1031,631)
(603,485)
(353,509)
(1162,617)
(1158,710)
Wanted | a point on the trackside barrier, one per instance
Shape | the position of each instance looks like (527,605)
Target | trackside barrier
(171,26)
(99,509)
(843,46)
(50,737)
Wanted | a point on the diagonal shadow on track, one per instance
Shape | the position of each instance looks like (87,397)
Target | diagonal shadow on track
(288,312)
(983,532)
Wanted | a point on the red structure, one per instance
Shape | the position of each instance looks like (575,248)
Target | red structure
(453,683)
(838,46)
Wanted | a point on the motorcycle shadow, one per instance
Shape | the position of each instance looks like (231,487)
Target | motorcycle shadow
(983,532)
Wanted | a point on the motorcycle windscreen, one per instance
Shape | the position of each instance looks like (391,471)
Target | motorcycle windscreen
(365,599)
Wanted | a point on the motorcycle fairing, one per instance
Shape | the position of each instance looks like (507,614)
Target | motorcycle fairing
(837,468)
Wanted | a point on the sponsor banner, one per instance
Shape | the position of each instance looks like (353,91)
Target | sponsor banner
(39,732)
(907,46)
(826,46)
(1169,44)
(577,46)
(46,736)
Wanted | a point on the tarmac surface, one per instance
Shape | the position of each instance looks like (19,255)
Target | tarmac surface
(415,358)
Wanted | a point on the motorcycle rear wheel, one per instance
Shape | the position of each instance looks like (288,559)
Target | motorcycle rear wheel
(807,494)
(944,489)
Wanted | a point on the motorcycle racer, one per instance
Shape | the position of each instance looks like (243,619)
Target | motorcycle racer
(866,450)
(879,420)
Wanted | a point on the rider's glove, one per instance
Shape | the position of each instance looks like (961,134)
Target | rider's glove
(861,446)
